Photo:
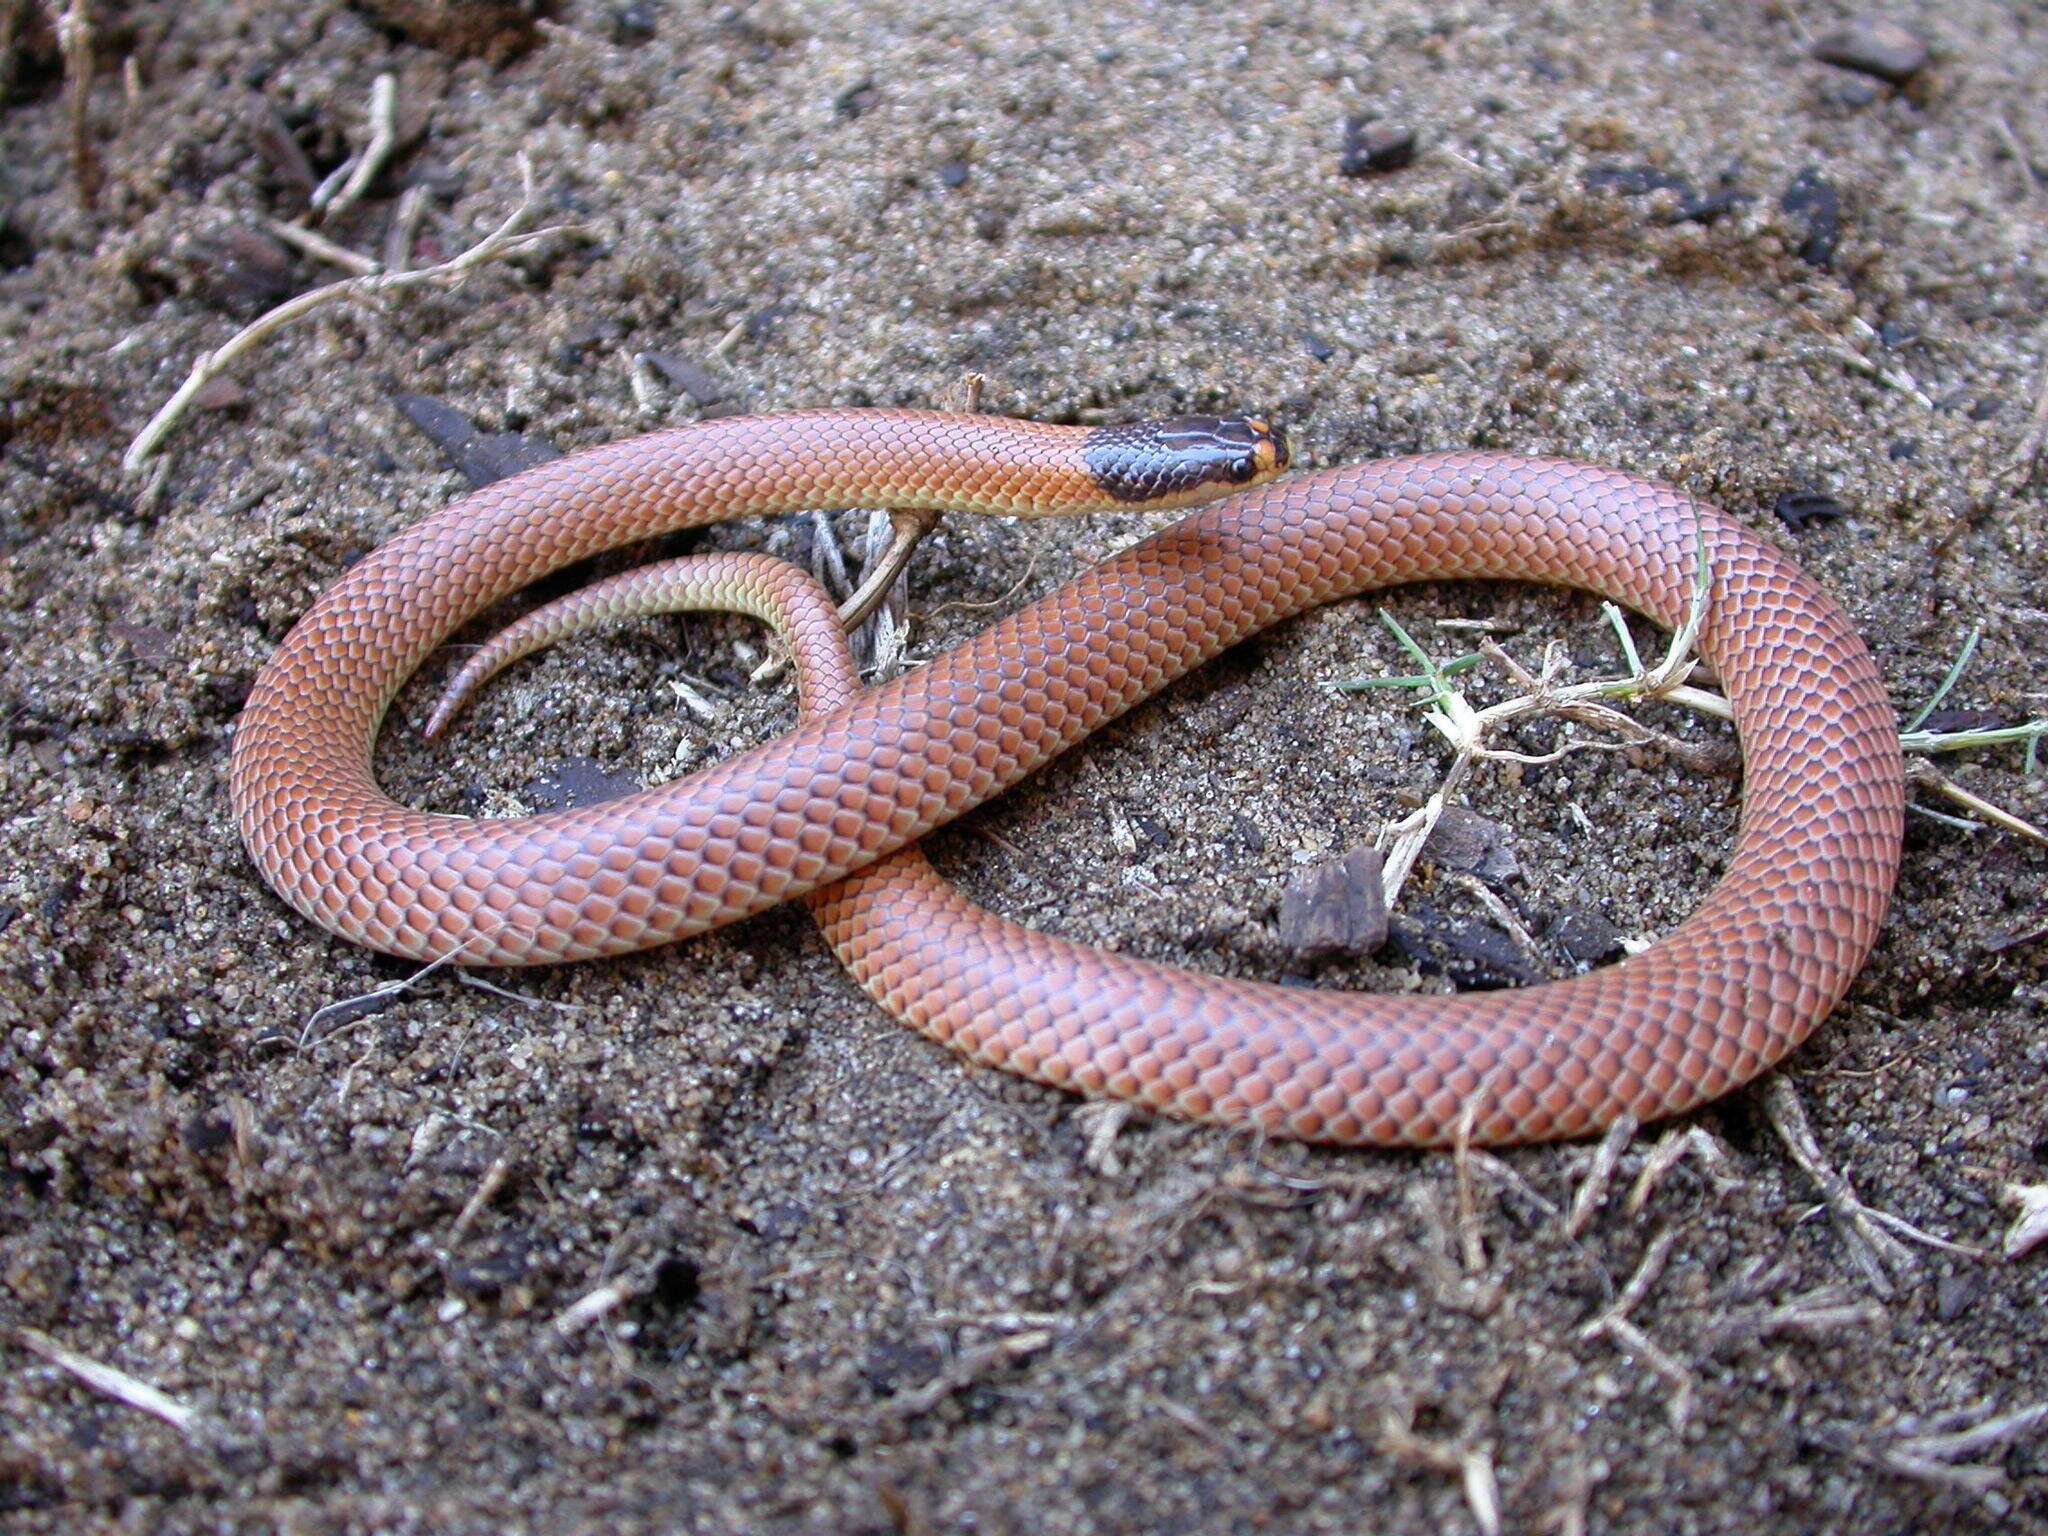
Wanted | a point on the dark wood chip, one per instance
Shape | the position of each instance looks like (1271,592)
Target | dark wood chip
(1335,908)
(481,457)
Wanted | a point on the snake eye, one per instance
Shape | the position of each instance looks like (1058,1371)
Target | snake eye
(1245,467)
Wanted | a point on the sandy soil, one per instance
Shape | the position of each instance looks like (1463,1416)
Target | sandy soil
(853,1285)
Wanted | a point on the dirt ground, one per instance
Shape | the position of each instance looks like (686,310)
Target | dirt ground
(698,1240)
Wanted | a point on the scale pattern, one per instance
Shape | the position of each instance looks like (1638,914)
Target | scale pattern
(1718,1001)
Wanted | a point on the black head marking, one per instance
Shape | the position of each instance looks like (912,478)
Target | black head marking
(1170,461)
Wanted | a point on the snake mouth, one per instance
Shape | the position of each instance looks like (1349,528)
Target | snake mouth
(1187,459)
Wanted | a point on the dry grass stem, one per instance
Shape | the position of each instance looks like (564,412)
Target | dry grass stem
(1930,1452)
(1871,1247)
(117,1384)
(501,242)
(486,1191)
(345,186)
(72,23)
(592,1305)
(1694,1141)
(1927,776)
(1592,1190)
(976,1363)
(320,248)
(1613,1324)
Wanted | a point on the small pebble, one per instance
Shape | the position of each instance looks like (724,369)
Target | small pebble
(1813,201)
(1585,936)
(1463,839)
(1956,1294)
(219,393)
(1334,908)
(894,1364)
(856,100)
(1872,45)
(633,24)
(1374,148)
(1634,180)
(782,1221)
(698,382)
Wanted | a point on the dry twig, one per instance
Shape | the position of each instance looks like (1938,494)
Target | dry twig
(1593,1188)
(501,242)
(117,1384)
(1613,1323)
(1930,1452)
(1868,1232)
(73,26)
(351,179)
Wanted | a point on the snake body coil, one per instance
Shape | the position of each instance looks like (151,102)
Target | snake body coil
(1719,1000)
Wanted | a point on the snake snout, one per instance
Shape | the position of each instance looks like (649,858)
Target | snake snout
(1188,459)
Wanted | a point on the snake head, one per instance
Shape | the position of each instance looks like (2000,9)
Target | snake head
(1187,460)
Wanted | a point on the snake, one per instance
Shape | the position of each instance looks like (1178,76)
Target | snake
(831,811)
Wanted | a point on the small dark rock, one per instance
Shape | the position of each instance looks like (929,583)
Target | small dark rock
(1872,45)
(1904,448)
(633,24)
(207,1132)
(495,1270)
(1372,149)
(1476,956)
(953,173)
(17,250)
(856,100)
(1799,509)
(581,781)
(279,148)
(698,382)
(1956,1294)
(1463,839)
(1585,936)
(1704,210)
(1152,833)
(1813,201)
(1317,347)
(780,1221)
(481,457)
(219,393)
(759,327)
(1337,907)
(893,1364)
(1634,180)
(239,270)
